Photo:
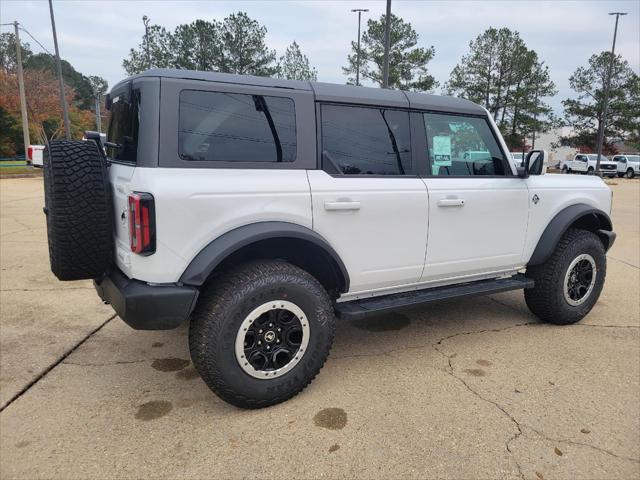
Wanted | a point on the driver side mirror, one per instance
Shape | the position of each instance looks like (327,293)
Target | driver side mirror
(535,163)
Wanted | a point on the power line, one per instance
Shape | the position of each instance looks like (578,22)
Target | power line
(21,27)
(34,39)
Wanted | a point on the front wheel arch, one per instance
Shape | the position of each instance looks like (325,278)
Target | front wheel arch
(579,216)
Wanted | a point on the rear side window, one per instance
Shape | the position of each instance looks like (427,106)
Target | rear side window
(232,127)
(365,141)
(122,133)
(462,146)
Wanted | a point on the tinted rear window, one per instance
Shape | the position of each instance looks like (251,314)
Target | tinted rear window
(366,141)
(123,127)
(232,127)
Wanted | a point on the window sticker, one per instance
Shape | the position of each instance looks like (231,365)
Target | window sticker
(441,153)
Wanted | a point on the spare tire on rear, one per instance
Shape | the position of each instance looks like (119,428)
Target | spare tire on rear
(78,208)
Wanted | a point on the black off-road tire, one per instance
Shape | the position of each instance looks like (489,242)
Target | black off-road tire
(565,170)
(630,173)
(546,300)
(591,171)
(224,305)
(78,209)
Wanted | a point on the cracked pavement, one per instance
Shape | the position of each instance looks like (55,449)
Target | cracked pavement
(473,388)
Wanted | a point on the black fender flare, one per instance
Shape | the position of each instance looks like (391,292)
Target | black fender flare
(215,252)
(565,219)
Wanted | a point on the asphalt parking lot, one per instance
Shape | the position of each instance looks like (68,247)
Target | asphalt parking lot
(475,388)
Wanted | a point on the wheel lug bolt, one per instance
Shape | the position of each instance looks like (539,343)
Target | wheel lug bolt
(278,341)
(270,325)
(259,342)
(260,331)
(268,347)
(279,329)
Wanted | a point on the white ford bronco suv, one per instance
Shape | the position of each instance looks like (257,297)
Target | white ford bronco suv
(263,209)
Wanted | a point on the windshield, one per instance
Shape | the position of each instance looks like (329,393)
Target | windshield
(122,136)
(594,156)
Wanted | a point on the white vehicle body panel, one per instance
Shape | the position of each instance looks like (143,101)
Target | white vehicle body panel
(195,206)
(381,240)
(557,192)
(485,231)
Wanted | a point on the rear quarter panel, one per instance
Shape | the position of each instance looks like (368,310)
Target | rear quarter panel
(196,206)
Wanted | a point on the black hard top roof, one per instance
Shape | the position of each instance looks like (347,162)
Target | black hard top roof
(330,92)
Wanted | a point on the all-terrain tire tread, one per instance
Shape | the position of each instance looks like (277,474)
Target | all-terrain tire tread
(548,278)
(78,208)
(232,288)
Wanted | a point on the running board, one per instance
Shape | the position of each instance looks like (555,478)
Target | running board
(365,307)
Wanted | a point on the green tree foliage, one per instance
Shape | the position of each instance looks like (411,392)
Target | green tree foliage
(81,84)
(98,84)
(294,65)
(159,52)
(196,46)
(11,140)
(237,44)
(244,49)
(584,113)
(407,63)
(8,60)
(502,74)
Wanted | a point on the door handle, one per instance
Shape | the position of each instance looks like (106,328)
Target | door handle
(451,202)
(342,205)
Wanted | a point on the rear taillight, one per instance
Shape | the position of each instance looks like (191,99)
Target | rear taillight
(30,153)
(142,223)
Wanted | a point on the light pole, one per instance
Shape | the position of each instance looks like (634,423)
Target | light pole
(145,20)
(63,101)
(359,10)
(387,42)
(605,96)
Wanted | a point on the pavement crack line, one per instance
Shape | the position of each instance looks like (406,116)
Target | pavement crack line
(450,371)
(107,364)
(61,289)
(623,261)
(581,444)
(60,359)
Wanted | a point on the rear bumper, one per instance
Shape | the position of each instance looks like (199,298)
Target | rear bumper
(143,306)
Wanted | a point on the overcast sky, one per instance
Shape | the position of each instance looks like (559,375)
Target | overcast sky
(96,35)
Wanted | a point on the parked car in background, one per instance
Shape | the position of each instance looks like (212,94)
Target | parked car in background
(586,163)
(518,158)
(628,165)
(34,155)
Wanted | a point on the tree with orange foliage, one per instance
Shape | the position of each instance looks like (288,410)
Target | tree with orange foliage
(43,105)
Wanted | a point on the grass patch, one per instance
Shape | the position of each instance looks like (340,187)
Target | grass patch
(25,170)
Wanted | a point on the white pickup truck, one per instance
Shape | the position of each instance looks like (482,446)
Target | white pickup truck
(586,163)
(628,165)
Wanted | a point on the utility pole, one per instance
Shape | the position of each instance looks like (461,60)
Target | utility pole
(359,10)
(387,43)
(63,101)
(605,97)
(23,100)
(145,20)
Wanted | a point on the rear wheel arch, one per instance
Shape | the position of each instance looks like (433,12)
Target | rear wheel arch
(579,216)
(291,242)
